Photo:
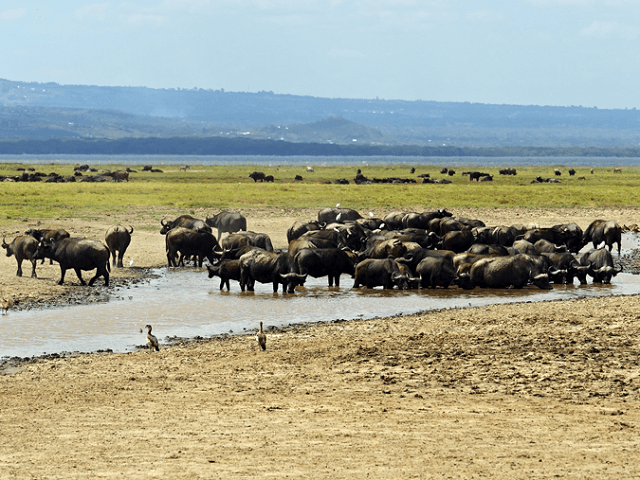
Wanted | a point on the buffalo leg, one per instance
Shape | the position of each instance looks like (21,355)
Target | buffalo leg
(79,274)
(120,257)
(33,270)
(19,273)
(62,272)
(100,273)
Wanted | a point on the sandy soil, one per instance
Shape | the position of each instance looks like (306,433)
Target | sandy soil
(519,391)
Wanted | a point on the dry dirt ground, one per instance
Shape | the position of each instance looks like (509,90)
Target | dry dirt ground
(531,390)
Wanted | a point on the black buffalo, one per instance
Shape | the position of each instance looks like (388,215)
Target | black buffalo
(299,228)
(436,272)
(189,242)
(228,222)
(320,262)
(607,231)
(23,247)
(514,271)
(226,270)
(257,176)
(380,272)
(600,263)
(48,235)
(269,267)
(331,238)
(567,262)
(393,220)
(118,239)
(78,254)
(185,221)
(421,220)
(340,215)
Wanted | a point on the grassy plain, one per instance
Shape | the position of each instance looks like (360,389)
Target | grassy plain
(218,187)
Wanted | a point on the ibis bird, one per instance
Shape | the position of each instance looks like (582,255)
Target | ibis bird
(152,341)
(261,337)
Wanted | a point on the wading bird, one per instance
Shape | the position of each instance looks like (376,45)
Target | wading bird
(152,341)
(261,337)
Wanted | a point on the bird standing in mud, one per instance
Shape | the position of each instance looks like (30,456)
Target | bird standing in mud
(5,306)
(261,337)
(152,341)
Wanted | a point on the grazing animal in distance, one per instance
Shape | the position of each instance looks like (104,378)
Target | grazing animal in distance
(152,341)
(261,338)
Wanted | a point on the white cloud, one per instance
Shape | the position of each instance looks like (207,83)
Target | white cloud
(13,14)
(600,29)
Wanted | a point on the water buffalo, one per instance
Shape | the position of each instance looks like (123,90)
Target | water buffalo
(514,271)
(566,261)
(491,249)
(330,238)
(421,220)
(269,267)
(185,221)
(226,270)
(120,175)
(607,231)
(525,246)
(260,240)
(78,254)
(600,264)
(23,247)
(436,272)
(393,220)
(228,222)
(458,241)
(48,235)
(118,239)
(380,272)
(257,176)
(569,234)
(320,262)
(189,242)
(340,215)
(545,246)
(384,249)
(447,225)
(299,228)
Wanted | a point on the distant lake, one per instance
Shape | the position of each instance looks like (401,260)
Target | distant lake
(268,160)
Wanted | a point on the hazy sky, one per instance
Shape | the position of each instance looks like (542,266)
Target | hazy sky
(542,52)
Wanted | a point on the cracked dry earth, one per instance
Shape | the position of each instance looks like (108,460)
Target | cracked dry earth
(529,390)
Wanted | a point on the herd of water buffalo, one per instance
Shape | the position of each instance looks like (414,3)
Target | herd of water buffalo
(401,250)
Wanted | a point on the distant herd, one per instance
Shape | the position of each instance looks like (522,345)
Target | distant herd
(431,249)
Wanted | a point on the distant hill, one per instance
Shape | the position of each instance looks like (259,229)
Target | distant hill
(117,112)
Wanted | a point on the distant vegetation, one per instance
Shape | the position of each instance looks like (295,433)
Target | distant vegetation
(50,110)
(206,189)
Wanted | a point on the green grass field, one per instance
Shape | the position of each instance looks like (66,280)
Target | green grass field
(217,187)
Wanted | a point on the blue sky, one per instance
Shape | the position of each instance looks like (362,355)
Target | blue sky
(529,52)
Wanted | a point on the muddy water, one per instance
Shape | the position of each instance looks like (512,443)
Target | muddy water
(186,303)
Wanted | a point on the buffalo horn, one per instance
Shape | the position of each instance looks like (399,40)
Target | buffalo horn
(4,242)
